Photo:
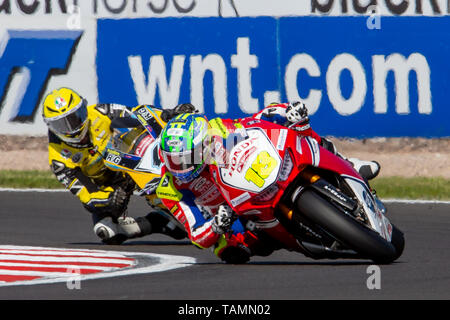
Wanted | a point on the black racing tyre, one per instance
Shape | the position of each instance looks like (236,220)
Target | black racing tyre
(349,231)
(398,241)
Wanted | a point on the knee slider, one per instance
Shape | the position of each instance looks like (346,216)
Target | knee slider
(106,228)
(134,227)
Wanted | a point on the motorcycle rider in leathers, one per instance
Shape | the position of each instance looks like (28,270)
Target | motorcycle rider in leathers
(78,135)
(187,188)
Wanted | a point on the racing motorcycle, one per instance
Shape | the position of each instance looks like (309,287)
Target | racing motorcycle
(326,208)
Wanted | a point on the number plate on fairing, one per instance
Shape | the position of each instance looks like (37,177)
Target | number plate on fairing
(253,164)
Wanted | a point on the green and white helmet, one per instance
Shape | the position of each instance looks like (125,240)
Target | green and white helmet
(183,144)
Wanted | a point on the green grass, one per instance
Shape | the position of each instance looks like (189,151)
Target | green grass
(412,188)
(387,188)
(28,179)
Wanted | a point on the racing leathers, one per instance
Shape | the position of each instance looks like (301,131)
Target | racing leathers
(103,192)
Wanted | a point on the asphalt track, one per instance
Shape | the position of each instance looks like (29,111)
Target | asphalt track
(58,220)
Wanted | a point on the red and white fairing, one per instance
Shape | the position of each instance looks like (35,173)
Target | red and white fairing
(261,167)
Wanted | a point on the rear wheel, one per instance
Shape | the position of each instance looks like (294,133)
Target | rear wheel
(347,230)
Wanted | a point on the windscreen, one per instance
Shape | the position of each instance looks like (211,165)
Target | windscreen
(127,142)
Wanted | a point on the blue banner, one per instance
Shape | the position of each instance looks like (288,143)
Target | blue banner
(388,79)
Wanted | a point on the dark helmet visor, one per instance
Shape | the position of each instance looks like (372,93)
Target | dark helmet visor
(71,123)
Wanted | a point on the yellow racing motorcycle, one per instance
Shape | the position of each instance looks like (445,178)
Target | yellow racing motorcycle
(133,150)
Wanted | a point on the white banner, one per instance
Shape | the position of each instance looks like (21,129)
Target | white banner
(208,8)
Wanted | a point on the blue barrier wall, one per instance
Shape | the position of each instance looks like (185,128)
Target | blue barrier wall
(358,82)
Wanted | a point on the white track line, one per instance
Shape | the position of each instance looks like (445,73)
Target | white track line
(418,201)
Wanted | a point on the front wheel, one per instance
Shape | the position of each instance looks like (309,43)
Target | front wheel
(349,231)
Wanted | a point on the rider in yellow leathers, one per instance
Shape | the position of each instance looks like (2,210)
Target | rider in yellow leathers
(78,136)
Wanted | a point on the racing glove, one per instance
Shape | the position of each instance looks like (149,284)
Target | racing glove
(109,202)
(168,114)
(296,112)
(118,202)
(223,219)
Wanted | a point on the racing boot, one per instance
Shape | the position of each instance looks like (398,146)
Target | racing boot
(154,222)
(367,169)
(162,222)
(115,233)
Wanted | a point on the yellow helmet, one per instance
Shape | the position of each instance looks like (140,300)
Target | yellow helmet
(65,114)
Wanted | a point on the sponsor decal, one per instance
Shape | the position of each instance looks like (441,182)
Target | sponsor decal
(267,194)
(243,150)
(98,8)
(209,196)
(77,157)
(175,132)
(114,152)
(145,113)
(385,7)
(298,145)
(315,151)
(244,158)
(200,185)
(60,103)
(251,212)
(335,193)
(282,139)
(240,199)
(342,81)
(113,158)
(143,145)
(368,200)
(286,167)
(66,153)
(219,153)
(101,135)
(174,143)
(205,190)
(251,122)
(173,209)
